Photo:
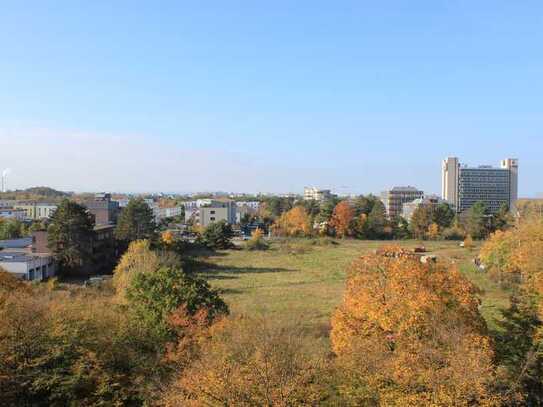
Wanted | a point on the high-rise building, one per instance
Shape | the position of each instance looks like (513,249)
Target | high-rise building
(462,186)
(394,199)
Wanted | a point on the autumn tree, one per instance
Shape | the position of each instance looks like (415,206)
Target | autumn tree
(433,231)
(69,235)
(342,219)
(249,362)
(153,297)
(136,222)
(295,222)
(257,241)
(421,220)
(409,333)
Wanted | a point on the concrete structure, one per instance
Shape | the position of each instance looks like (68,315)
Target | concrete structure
(10,213)
(462,186)
(395,198)
(105,210)
(36,210)
(312,193)
(32,267)
(20,257)
(410,207)
(212,211)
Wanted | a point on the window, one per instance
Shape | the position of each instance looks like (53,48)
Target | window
(212,218)
(212,212)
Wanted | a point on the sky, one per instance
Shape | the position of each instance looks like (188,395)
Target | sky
(254,96)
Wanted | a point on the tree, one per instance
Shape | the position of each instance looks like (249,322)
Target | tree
(136,222)
(433,231)
(421,220)
(168,238)
(443,215)
(477,220)
(326,210)
(342,219)
(377,221)
(409,333)
(11,229)
(139,258)
(503,219)
(257,241)
(248,362)
(295,222)
(153,297)
(70,235)
(218,235)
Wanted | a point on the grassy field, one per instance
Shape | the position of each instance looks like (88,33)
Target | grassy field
(303,282)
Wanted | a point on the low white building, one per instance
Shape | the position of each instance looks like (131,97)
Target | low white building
(28,266)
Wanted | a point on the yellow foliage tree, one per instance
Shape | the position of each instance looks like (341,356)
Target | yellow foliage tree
(433,231)
(468,242)
(410,334)
(139,258)
(295,222)
(168,238)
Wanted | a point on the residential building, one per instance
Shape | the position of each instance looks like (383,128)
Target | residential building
(104,210)
(36,210)
(462,186)
(395,198)
(10,213)
(312,193)
(410,207)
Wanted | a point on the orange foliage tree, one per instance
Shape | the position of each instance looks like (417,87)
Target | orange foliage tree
(409,333)
(342,219)
(295,222)
(247,362)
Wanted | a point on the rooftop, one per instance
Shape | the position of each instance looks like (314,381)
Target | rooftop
(16,243)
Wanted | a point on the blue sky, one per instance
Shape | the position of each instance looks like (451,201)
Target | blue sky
(267,96)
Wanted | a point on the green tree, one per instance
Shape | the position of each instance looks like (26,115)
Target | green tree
(443,215)
(70,235)
(326,210)
(503,219)
(477,221)
(153,297)
(136,222)
(218,235)
(377,221)
(11,229)
(364,204)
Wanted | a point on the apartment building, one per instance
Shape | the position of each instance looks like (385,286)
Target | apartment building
(462,186)
(395,198)
(20,258)
(316,194)
(36,210)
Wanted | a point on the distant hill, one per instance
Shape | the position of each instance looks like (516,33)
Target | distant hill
(35,193)
(47,192)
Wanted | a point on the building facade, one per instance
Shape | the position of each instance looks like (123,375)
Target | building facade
(10,213)
(315,194)
(36,210)
(104,210)
(395,198)
(463,186)
(409,208)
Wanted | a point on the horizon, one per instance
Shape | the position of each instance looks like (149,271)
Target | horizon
(242,97)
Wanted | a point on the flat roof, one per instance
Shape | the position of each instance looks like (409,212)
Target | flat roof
(15,243)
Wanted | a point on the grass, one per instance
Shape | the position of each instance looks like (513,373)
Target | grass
(303,280)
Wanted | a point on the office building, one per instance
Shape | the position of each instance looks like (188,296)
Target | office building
(211,211)
(395,198)
(462,186)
